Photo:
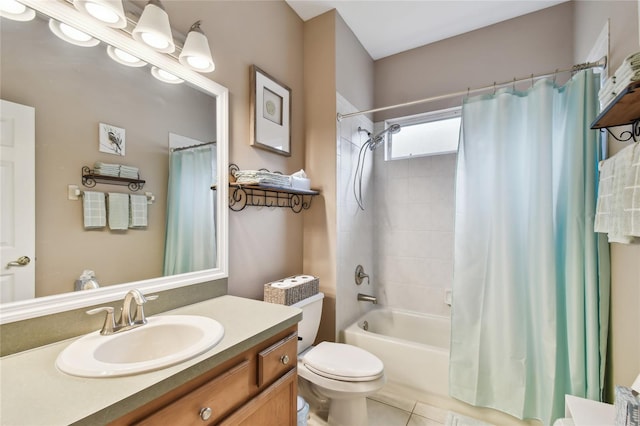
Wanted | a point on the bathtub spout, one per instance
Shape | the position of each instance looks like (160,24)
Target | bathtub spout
(367,298)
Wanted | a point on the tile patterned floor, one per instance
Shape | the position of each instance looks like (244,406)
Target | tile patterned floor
(388,408)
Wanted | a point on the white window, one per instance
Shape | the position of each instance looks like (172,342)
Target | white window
(433,133)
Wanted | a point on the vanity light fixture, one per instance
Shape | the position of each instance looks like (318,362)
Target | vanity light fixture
(124,58)
(153,28)
(196,53)
(165,76)
(109,12)
(72,35)
(15,11)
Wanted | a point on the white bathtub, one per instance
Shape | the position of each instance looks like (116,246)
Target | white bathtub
(414,347)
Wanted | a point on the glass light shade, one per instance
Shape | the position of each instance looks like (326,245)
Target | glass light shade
(153,29)
(165,76)
(109,12)
(15,11)
(72,35)
(196,53)
(124,58)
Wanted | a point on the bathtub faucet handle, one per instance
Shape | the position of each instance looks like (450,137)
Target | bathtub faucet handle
(360,275)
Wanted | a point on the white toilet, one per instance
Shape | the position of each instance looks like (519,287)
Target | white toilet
(343,373)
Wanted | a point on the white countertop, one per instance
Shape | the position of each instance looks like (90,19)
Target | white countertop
(34,392)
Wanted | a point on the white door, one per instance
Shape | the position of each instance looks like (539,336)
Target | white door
(17,195)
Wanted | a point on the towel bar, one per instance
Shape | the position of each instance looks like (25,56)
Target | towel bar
(74,192)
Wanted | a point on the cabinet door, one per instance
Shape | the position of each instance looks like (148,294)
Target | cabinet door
(275,406)
(209,403)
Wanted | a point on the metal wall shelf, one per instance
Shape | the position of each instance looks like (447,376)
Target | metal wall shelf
(241,196)
(89,179)
(623,110)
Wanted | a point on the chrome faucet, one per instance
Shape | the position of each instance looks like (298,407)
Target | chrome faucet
(125,322)
(367,298)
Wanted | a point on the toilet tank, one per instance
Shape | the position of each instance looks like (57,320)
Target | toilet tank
(308,326)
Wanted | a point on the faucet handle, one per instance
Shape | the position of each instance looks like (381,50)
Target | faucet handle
(140,318)
(109,322)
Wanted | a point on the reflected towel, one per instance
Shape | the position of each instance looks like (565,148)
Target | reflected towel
(118,211)
(94,210)
(138,211)
(631,197)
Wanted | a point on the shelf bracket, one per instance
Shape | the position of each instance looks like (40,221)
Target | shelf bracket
(627,135)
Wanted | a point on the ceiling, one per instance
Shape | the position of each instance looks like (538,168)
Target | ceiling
(387,27)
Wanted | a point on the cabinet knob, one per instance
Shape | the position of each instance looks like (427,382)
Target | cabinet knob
(205,413)
(284,359)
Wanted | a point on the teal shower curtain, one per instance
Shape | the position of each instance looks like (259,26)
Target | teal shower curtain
(531,278)
(190,242)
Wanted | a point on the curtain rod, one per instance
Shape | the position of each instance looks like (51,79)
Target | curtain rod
(602,63)
(182,148)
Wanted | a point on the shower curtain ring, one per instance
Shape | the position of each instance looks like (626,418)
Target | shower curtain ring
(494,87)
(531,80)
(555,75)
(514,84)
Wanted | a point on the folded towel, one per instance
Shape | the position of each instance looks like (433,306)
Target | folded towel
(138,211)
(631,196)
(602,222)
(622,167)
(634,57)
(118,211)
(94,211)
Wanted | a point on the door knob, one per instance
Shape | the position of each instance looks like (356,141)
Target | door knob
(22,261)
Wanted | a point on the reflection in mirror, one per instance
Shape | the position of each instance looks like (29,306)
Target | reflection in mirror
(73,89)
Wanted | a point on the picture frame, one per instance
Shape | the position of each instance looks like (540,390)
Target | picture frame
(270,113)
(111,139)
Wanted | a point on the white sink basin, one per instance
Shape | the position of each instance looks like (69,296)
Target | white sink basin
(165,340)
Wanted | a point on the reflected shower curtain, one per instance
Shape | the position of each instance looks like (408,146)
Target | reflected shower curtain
(190,243)
(531,278)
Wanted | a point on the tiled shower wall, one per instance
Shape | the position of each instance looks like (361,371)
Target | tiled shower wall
(404,237)
(413,239)
(355,227)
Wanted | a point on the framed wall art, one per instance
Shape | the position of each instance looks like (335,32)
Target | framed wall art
(270,113)
(112,139)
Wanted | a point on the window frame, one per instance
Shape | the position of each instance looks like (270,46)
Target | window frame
(422,118)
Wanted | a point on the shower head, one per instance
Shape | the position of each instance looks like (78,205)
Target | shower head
(376,140)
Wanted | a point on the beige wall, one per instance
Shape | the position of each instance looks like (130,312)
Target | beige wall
(534,43)
(624,339)
(265,244)
(73,89)
(320,135)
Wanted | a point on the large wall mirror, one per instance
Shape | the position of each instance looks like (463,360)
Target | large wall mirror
(72,90)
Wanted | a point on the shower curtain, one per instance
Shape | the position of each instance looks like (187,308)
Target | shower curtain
(190,242)
(531,278)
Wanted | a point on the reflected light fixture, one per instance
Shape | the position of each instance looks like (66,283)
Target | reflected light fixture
(109,12)
(165,76)
(153,28)
(196,53)
(72,35)
(124,58)
(15,11)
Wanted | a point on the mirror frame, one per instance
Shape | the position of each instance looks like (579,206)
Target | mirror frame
(64,11)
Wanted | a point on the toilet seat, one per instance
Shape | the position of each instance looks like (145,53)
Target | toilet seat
(339,361)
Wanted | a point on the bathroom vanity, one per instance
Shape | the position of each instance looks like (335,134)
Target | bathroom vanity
(250,377)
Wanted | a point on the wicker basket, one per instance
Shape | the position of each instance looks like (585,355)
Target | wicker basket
(290,295)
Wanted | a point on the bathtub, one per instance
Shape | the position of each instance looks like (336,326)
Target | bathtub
(414,347)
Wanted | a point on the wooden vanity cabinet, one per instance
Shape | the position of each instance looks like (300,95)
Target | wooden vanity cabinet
(257,387)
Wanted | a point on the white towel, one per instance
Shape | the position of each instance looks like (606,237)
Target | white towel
(118,211)
(94,211)
(622,168)
(602,222)
(138,211)
(631,197)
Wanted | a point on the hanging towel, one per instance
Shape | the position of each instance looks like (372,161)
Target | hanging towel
(118,211)
(138,211)
(622,168)
(602,222)
(94,211)
(631,197)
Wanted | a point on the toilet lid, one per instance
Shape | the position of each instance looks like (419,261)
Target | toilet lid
(344,362)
